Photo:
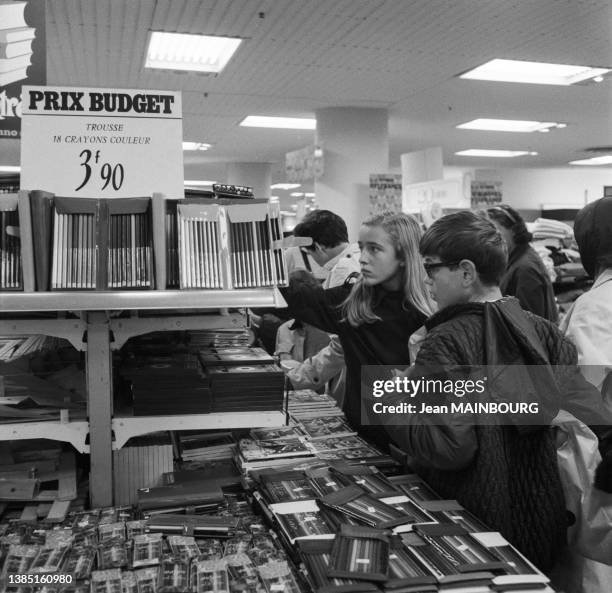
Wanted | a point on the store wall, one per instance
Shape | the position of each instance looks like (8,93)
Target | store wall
(530,188)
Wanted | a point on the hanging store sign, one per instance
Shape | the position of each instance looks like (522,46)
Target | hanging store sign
(94,142)
(385,193)
(305,164)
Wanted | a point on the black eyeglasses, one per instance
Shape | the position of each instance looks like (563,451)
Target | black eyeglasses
(429,268)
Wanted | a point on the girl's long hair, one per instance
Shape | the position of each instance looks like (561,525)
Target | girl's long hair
(404,233)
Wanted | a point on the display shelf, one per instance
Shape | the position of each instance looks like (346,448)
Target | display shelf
(13,302)
(126,427)
(124,329)
(74,432)
(97,331)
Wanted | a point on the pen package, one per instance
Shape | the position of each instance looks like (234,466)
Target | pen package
(404,568)
(455,542)
(360,553)
(368,478)
(366,508)
(316,556)
(285,486)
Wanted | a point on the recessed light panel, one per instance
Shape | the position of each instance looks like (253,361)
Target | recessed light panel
(509,125)
(596,160)
(264,121)
(285,186)
(533,72)
(196,146)
(495,153)
(181,51)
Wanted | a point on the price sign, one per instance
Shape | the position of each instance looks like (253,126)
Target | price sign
(102,143)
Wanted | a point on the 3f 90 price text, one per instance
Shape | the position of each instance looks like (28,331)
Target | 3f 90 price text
(110,174)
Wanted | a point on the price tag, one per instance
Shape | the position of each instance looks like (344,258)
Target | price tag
(100,142)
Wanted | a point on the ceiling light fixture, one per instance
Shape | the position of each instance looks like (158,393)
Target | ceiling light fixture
(297,194)
(285,186)
(596,160)
(509,125)
(495,153)
(264,121)
(533,72)
(10,169)
(196,146)
(181,51)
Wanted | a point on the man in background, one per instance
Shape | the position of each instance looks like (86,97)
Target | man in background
(300,345)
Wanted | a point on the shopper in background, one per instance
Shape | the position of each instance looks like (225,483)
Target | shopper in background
(587,325)
(506,475)
(325,368)
(331,250)
(525,277)
(374,317)
(588,322)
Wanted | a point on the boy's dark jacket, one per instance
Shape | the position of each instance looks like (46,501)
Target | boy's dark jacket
(506,475)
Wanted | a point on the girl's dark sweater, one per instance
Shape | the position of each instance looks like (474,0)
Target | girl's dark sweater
(383,342)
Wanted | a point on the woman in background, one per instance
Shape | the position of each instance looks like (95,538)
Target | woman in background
(526,277)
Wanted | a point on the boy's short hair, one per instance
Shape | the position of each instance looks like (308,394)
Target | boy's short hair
(466,235)
(325,228)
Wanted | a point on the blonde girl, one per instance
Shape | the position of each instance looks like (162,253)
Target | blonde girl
(375,317)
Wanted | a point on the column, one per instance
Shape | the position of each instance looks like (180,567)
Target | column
(255,175)
(355,143)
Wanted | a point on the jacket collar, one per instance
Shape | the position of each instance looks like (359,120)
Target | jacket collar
(605,276)
(516,253)
(463,309)
(351,250)
(453,311)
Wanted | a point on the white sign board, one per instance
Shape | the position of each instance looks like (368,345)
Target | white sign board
(431,197)
(103,143)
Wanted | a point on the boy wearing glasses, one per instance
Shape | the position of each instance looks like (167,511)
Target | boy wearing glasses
(502,471)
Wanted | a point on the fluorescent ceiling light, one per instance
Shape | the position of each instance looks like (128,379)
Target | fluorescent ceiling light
(10,168)
(196,146)
(596,160)
(296,194)
(510,125)
(533,72)
(495,153)
(198,182)
(285,186)
(180,51)
(263,121)
(309,194)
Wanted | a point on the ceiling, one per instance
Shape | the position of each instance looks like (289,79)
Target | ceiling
(403,55)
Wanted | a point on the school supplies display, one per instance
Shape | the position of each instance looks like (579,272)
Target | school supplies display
(228,243)
(11,272)
(101,244)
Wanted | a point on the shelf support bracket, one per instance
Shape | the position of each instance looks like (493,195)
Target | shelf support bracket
(124,329)
(72,330)
(100,397)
